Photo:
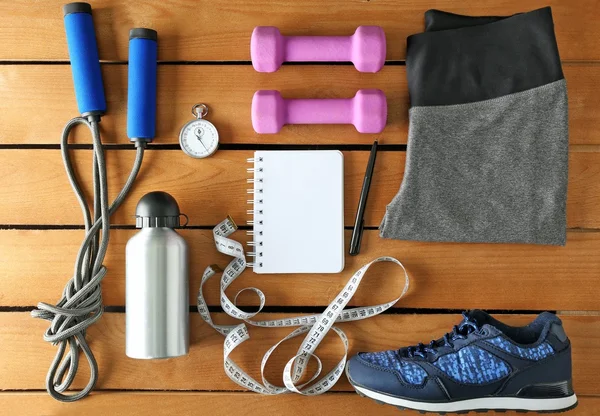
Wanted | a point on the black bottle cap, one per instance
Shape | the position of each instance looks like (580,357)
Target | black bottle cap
(157,209)
(78,7)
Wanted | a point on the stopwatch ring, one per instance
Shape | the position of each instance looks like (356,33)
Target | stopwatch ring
(200,110)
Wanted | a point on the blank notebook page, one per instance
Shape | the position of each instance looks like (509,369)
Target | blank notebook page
(299,211)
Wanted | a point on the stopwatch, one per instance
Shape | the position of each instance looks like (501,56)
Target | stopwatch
(199,138)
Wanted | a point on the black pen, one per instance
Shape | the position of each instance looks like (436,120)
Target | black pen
(362,203)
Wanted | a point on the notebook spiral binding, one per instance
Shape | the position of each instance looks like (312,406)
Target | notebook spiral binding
(255,214)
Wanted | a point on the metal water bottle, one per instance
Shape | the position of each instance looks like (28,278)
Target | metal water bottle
(157,300)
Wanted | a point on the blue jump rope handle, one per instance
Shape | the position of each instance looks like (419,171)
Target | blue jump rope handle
(141,96)
(85,64)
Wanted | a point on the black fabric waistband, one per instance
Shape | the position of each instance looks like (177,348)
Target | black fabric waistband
(462,59)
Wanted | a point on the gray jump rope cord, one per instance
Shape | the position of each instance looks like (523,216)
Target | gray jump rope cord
(81,302)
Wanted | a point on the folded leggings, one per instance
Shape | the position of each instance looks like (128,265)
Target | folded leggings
(487,155)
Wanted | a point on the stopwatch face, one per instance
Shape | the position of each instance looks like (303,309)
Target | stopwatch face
(199,138)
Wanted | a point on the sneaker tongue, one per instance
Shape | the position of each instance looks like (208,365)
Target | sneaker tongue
(479,316)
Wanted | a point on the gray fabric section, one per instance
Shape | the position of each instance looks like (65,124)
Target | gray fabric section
(489,171)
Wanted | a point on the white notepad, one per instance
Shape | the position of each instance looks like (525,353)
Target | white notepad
(298,211)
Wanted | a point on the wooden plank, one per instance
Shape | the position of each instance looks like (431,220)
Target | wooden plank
(220,404)
(49,89)
(36,265)
(180,87)
(220,30)
(583,103)
(209,189)
(26,357)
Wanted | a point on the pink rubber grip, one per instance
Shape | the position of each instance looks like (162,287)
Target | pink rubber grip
(367,111)
(366,48)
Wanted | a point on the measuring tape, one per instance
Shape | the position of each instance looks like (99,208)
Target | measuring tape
(315,326)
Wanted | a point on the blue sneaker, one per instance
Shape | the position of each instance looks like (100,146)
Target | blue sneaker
(482,365)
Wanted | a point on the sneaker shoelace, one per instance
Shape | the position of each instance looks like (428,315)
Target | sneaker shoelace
(460,331)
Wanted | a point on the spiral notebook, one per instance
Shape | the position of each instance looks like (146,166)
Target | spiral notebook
(298,211)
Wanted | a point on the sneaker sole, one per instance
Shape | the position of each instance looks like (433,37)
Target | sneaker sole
(485,404)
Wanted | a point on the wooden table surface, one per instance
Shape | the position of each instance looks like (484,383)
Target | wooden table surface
(204,57)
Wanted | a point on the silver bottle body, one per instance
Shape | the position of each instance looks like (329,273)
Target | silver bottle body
(157,298)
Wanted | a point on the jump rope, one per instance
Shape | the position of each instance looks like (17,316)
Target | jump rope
(81,302)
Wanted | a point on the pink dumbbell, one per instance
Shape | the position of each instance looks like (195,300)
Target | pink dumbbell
(367,110)
(365,48)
